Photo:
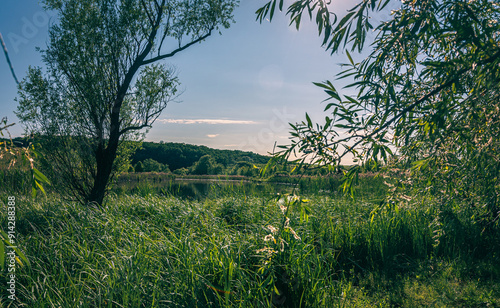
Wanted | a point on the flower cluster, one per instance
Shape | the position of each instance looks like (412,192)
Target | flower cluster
(275,236)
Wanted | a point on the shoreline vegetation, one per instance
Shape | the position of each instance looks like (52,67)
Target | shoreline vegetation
(231,249)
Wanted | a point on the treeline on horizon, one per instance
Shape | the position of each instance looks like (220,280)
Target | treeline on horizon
(158,159)
(188,159)
(182,159)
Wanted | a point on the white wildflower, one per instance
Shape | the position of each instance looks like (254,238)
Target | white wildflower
(294,233)
(272,229)
(269,237)
(287,222)
(282,246)
(266,250)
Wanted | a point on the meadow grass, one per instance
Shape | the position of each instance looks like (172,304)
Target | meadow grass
(163,251)
(15,180)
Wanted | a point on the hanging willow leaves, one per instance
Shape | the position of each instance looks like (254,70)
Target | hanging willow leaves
(427,95)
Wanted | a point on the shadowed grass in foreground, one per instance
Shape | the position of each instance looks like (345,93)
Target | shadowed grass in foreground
(167,252)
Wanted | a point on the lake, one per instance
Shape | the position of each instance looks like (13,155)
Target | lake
(195,188)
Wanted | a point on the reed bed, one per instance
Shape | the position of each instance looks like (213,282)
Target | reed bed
(163,251)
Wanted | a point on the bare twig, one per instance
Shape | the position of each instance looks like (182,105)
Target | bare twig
(8,59)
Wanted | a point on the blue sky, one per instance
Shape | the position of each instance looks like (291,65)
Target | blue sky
(240,89)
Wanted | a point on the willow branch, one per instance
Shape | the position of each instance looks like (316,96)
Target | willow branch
(171,54)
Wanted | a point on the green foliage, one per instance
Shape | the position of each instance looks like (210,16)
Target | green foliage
(206,165)
(245,168)
(151,165)
(16,158)
(6,246)
(160,251)
(181,155)
(427,97)
(181,171)
(9,157)
(139,167)
(104,84)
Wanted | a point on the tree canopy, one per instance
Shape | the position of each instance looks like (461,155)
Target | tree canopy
(104,84)
(427,95)
(181,155)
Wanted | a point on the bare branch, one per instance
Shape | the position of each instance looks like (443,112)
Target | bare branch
(178,49)
(165,32)
(7,126)
(150,17)
(129,128)
(8,59)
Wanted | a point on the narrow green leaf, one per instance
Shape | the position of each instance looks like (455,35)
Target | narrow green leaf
(21,258)
(309,122)
(349,56)
(352,100)
(271,13)
(327,86)
(333,94)
(40,177)
(344,20)
(40,187)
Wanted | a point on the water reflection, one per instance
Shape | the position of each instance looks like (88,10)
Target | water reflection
(197,188)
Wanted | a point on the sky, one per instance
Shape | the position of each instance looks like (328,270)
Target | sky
(239,89)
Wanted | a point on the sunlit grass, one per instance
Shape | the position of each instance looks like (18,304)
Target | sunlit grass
(157,251)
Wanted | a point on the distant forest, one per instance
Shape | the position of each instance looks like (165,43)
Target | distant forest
(187,159)
(181,158)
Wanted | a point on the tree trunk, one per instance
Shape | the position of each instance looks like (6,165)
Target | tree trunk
(102,177)
(105,158)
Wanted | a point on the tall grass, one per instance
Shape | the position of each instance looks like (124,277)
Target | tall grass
(15,180)
(162,251)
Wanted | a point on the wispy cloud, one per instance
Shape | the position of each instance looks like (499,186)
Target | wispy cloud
(206,121)
(212,135)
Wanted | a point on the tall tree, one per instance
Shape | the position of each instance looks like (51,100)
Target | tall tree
(104,84)
(428,95)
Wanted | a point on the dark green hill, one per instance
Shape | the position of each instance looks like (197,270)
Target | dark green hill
(181,155)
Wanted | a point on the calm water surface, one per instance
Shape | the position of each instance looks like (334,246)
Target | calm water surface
(199,188)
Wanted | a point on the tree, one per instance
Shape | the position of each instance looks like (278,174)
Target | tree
(245,168)
(181,171)
(139,167)
(206,165)
(427,96)
(151,165)
(104,84)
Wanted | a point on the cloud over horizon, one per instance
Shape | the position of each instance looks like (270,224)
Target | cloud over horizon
(206,121)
